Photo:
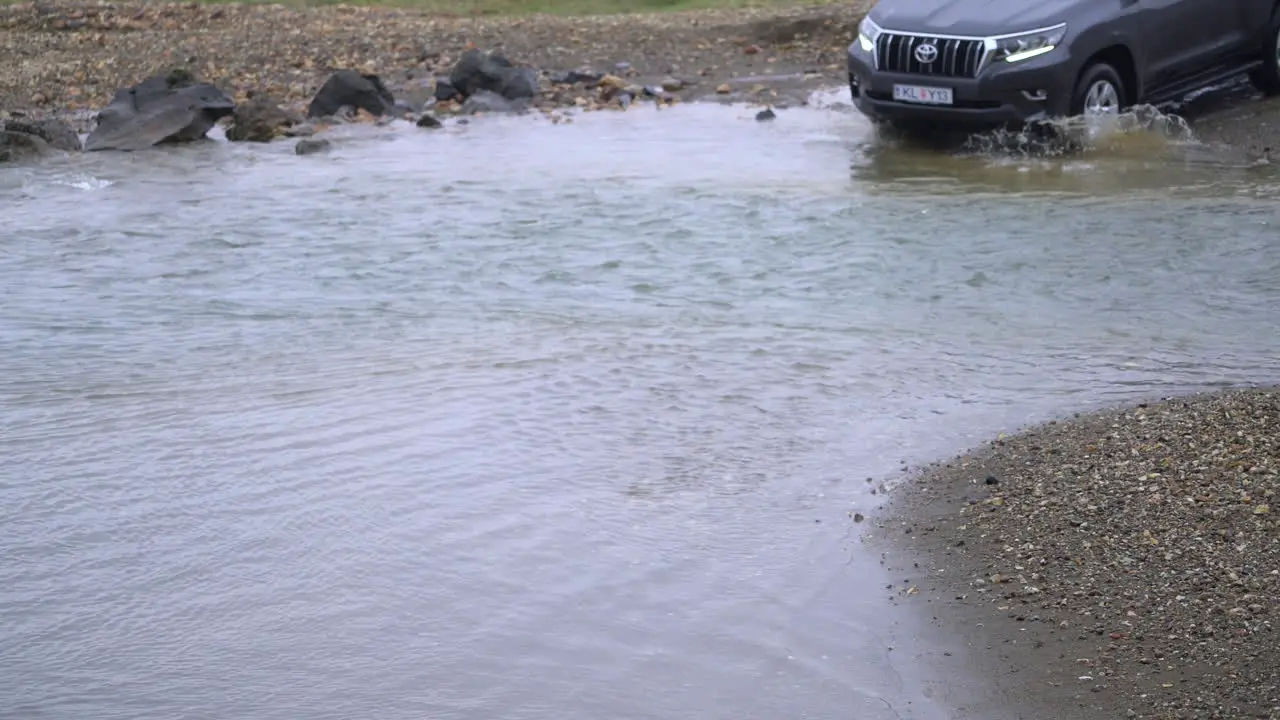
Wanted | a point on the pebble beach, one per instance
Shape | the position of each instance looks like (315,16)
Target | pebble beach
(1124,563)
(75,54)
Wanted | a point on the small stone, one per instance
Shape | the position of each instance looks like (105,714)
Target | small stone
(724,89)
(766,114)
(429,122)
(671,84)
(311,146)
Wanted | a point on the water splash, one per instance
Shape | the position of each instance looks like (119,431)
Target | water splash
(1143,128)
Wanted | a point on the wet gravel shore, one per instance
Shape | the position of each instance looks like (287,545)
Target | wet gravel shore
(74,54)
(68,57)
(1120,564)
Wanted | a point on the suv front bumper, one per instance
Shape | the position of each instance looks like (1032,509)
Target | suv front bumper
(1002,94)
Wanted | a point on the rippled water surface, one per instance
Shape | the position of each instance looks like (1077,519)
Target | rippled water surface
(520,420)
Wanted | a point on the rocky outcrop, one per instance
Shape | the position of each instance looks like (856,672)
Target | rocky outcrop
(348,88)
(161,109)
(58,134)
(261,120)
(477,70)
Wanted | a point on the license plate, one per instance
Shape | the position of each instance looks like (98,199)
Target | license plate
(925,95)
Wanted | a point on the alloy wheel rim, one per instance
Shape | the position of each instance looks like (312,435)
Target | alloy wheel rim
(1103,99)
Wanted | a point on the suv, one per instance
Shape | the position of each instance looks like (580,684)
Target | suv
(1016,62)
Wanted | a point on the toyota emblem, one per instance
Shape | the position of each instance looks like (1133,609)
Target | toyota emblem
(926,53)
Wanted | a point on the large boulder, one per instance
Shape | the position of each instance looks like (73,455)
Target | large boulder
(351,89)
(161,109)
(261,120)
(477,70)
(16,146)
(58,134)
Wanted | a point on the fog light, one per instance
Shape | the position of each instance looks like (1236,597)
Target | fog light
(1035,95)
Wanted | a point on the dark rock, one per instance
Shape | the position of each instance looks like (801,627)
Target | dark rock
(573,77)
(57,133)
(445,91)
(766,114)
(311,146)
(350,88)
(21,146)
(161,109)
(429,121)
(477,70)
(484,101)
(260,120)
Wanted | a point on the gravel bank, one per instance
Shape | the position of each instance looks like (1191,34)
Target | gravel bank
(1120,564)
(73,54)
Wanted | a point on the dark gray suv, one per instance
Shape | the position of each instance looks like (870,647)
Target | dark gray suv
(1013,62)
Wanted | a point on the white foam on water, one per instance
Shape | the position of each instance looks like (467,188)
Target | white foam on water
(81,181)
(836,98)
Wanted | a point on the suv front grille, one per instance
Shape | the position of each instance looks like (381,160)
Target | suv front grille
(955,58)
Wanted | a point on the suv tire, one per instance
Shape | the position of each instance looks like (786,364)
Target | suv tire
(1099,87)
(1267,77)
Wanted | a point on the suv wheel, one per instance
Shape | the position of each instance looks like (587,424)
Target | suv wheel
(1267,77)
(1100,91)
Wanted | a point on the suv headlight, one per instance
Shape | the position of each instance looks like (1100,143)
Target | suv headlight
(1023,46)
(868,32)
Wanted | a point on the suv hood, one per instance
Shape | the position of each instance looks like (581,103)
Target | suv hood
(970,17)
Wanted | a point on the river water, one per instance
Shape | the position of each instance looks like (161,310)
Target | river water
(520,420)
